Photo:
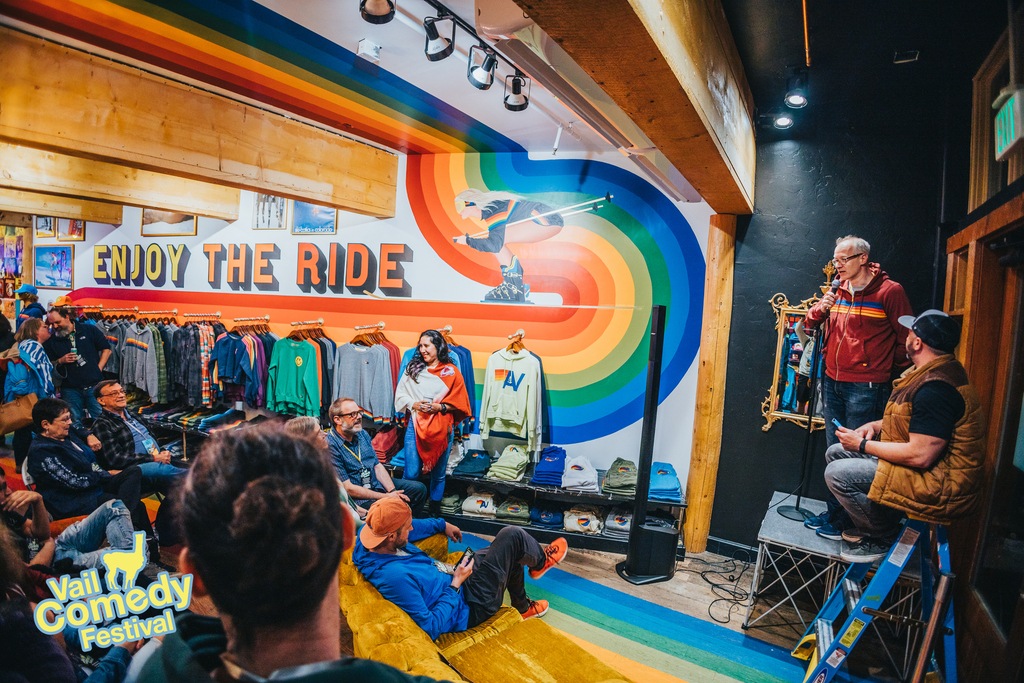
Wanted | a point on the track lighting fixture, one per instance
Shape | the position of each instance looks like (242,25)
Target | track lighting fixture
(437,46)
(783,121)
(796,89)
(515,98)
(481,75)
(377,11)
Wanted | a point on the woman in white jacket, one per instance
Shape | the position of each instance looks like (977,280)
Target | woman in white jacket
(433,396)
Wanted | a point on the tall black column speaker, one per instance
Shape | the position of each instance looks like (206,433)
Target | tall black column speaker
(651,556)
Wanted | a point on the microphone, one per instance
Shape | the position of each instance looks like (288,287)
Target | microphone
(835,286)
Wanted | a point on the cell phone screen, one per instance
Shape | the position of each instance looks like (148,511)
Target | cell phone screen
(466,557)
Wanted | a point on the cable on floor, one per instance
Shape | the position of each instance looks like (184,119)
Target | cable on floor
(728,590)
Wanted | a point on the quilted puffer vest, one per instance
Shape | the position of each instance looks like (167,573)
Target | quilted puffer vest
(948,489)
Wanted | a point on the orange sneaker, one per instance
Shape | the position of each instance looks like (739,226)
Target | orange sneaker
(554,553)
(538,608)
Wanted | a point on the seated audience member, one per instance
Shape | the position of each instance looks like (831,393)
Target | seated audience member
(264,534)
(29,371)
(308,427)
(70,480)
(26,653)
(429,590)
(356,463)
(25,515)
(125,441)
(928,456)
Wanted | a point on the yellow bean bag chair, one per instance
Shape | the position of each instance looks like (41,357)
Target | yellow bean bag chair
(502,649)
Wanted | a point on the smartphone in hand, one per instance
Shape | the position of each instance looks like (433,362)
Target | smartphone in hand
(836,423)
(466,558)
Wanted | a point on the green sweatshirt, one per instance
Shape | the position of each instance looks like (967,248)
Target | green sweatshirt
(294,382)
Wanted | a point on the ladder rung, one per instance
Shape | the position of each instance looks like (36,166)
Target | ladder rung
(823,630)
(851,594)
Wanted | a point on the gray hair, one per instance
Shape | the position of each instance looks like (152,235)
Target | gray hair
(303,427)
(857,243)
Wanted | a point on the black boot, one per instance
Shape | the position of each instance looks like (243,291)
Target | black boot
(434,508)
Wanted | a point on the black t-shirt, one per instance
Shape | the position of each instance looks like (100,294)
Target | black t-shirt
(90,343)
(937,408)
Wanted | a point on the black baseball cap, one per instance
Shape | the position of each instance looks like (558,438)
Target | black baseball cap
(935,328)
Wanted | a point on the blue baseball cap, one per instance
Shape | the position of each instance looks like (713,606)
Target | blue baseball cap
(27,289)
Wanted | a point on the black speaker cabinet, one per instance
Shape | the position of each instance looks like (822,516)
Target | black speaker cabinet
(651,556)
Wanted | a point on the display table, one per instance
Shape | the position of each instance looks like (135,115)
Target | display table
(795,558)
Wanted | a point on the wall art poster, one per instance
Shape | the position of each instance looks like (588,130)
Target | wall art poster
(310,219)
(269,212)
(46,226)
(157,223)
(54,266)
(70,230)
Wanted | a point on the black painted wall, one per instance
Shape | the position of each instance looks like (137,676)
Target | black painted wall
(865,157)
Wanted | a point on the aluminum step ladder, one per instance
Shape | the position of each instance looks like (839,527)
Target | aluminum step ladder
(826,648)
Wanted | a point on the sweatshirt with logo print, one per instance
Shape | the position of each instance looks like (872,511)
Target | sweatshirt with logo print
(510,401)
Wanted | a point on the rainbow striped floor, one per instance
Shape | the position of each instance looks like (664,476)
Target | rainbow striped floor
(649,643)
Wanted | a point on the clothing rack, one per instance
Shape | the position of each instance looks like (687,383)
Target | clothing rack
(318,322)
(264,318)
(518,336)
(173,311)
(133,309)
(214,316)
(80,307)
(446,330)
(379,326)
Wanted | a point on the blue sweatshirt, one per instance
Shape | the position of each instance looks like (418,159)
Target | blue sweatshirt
(414,583)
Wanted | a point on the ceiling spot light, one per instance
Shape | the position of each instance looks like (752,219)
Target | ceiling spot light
(377,11)
(437,46)
(783,121)
(515,98)
(481,75)
(796,89)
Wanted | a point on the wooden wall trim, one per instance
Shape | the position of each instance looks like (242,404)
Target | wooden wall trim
(60,99)
(59,207)
(711,369)
(39,171)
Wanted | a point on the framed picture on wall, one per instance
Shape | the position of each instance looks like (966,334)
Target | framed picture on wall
(158,223)
(70,230)
(310,219)
(269,212)
(46,226)
(54,266)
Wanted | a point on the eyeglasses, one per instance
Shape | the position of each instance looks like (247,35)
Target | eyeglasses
(354,413)
(841,261)
(119,392)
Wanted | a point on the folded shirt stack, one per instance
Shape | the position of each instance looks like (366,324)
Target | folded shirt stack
(584,519)
(617,523)
(665,483)
(514,511)
(579,475)
(479,505)
(474,464)
(451,505)
(549,470)
(549,516)
(620,480)
(511,465)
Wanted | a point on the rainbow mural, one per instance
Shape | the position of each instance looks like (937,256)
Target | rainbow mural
(608,267)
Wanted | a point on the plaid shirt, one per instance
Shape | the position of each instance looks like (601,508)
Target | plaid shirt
(115,436)
(205,347)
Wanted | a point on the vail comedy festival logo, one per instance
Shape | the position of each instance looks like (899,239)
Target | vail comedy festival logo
(111,618)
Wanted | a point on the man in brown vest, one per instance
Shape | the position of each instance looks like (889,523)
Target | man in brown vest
(924,457)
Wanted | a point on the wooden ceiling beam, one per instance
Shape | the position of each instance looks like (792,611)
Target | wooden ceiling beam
(39,204)
(68,101)
(37,170)
(673,68)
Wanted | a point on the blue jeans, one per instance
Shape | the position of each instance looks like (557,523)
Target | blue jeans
(80,542)
(160,476)
(852,404)
(413,463)
(849,475)
(79,400)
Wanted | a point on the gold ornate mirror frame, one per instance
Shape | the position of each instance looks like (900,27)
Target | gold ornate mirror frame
(783,310)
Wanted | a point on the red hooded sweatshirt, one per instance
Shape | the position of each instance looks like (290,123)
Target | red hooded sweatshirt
(864,339)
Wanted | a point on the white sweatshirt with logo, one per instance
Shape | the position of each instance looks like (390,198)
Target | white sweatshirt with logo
(511,398)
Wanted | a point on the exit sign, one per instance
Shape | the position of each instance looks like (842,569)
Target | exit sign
(1009,122)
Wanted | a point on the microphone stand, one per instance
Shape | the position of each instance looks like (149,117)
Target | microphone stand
(795,512)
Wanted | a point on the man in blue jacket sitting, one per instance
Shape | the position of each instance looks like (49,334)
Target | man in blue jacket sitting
(441,598)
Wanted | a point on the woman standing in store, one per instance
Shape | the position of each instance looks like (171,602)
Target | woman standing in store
(30,373)
(434,396)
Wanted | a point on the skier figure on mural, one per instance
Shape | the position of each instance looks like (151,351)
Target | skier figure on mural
(499,211)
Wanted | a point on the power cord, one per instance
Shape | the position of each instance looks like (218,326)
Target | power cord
(728,590)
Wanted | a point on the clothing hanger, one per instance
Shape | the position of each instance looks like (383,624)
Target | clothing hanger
(516,344)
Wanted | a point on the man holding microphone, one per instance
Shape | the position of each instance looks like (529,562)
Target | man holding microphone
(863,349)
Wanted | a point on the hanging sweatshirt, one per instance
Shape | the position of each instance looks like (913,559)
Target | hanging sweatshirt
(293,386)
(864,339)
(138,361)
(363,373)
(510,402)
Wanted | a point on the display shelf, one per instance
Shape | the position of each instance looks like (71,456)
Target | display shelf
(599,542)
(557,493)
